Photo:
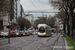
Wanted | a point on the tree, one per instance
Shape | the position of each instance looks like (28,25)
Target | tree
(51,21)
(68,6)
(62,15)
(44,20)
(5,7)
(22,22)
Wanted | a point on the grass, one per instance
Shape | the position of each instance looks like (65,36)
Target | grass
(70,41)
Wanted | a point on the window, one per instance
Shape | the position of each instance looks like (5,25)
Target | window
(41,30)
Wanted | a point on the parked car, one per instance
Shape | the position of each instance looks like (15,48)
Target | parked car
(21,33)
(27,33)
(14,33)
(17,33)
(4,33)
(11,33)
(31,32)
(0,34)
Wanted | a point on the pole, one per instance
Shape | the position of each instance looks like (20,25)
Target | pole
(9,29)
(9,36)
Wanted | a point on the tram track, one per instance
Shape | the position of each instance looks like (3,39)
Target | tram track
(56,46)
(31,43)
(44,43)
(26,45)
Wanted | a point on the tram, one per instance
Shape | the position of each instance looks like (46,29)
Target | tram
(44,30)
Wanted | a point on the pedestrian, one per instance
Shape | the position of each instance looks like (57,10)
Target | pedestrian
(57,32)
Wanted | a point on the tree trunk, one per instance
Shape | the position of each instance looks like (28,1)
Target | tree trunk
(64,28)
(67,21)
(68,26)
(72,20)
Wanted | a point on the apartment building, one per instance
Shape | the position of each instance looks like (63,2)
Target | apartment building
(9,19)
(59,24)
(17,11)
(22,11)
(30,18)
(18,8)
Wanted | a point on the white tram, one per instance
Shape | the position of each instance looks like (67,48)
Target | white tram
(44,30)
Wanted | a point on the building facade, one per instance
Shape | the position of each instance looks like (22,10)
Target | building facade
(9,18)
(18,9)
(22,11)
(30,18)
(59,24)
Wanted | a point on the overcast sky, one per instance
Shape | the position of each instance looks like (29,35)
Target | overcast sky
(41,5)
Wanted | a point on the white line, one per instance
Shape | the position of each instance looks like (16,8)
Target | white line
(41,45)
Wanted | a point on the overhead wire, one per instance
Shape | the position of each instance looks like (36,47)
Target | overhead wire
(43,2)
(36,7)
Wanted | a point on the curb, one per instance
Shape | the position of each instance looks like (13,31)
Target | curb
(66,45)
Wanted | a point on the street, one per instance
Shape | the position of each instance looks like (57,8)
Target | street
(32,43)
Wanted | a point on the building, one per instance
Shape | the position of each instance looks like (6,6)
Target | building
(22,11)
(18,8)
(9,19)
(30,18)
(17,11)
(59,25)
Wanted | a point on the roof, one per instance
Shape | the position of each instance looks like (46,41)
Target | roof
(39,25)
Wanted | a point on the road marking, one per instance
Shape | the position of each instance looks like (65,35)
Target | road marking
(41,45)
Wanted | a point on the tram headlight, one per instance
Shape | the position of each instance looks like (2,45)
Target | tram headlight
(38,32)
(44,32)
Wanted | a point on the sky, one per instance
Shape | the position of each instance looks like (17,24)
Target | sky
(38,5)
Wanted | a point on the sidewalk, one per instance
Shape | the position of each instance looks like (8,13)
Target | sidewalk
(60,44)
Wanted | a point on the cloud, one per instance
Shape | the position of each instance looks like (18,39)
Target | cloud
(27,5)
(41,5)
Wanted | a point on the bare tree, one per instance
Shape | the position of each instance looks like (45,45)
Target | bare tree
(5,7)
(68,6)
(44,20)
(22,22)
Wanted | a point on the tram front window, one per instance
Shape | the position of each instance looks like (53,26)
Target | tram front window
(41,30)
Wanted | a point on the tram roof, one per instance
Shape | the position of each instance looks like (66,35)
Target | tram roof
(44,25)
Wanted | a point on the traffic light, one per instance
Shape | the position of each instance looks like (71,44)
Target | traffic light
(8,26)
(17,27)
(59,17)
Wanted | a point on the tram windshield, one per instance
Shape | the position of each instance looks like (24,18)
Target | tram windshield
(41,29)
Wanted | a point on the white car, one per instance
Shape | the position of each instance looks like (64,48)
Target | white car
(52,33)
(35,33)
(4,33)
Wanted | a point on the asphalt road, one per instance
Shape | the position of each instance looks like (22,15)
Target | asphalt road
(29,43)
